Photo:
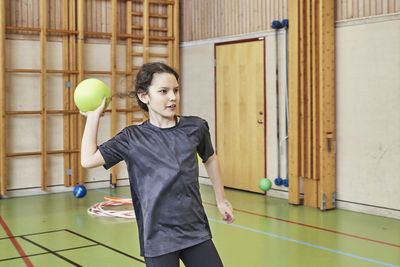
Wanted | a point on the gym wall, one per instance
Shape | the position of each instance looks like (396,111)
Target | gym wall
(367,95)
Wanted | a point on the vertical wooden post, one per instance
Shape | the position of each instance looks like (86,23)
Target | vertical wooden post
(176,60)
(310,182)
(113,61)
(327,186)
(312,102)
(81,40)
(73,117)
(129,59)
(43,57)
(315,174)
(66,97)
(170,33)
(294,103)
(3,159)
(146,31)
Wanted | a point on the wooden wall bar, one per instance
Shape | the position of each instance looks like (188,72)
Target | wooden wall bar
(73,136)
(113,60)
(129,60)
(312,102)
(81,77)
(158,30)
(66,93)
(3,159)
(43,93)
(98,17)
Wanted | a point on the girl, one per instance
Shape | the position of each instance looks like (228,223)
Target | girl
(160,155)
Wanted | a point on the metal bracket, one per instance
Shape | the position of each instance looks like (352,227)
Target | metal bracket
(334,200)
(68,84)
(68,171)
(323,202)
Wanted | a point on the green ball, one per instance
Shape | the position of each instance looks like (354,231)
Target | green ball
(89,94)
(265,184)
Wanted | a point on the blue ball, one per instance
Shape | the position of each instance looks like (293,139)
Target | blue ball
(278,181)
(79,191)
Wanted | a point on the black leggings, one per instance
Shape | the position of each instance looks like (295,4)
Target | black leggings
(203,254)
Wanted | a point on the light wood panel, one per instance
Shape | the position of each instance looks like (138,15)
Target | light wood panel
(204,19)
(240,108)
(312,102)
(327,130)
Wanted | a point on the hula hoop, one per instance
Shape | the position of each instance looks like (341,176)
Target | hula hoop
(97,210)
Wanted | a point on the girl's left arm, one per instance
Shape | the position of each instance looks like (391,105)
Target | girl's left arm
(224,207)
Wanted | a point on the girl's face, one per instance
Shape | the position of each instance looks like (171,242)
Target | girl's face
(162,97)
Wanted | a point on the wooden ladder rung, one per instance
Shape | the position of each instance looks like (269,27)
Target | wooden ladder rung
(138,119)
(162,38)
(37,153)
(158,42)
(158,55)
(140,14)
(162,2)
(39,71)
(32,112)
(159,29)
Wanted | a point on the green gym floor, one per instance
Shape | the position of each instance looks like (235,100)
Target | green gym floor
(56,230)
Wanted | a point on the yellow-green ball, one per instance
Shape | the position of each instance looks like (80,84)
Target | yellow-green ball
(265,184)
(90,93)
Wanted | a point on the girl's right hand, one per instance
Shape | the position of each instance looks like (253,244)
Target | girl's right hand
(97,112)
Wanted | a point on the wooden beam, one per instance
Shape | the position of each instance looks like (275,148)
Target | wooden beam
(294,103)
(327,186)
(146,32)
(3,141)
(36,153)
(81,39)
(315,96)
(113,60)
(66,95)
(310,183)
(176,53)
(73,118)
(129,60)
(43,93)
(170,46)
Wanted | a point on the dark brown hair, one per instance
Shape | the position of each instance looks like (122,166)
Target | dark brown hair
(145,77)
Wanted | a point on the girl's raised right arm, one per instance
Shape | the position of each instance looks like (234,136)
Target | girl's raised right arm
(90,155)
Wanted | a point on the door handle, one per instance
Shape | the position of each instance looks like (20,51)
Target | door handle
(260,121)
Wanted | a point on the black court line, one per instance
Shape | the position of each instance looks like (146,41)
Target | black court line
(55,252)
(39,233)
(104,245)
(44,253)
(52,252)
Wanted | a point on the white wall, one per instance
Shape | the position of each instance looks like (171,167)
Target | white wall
(368,113)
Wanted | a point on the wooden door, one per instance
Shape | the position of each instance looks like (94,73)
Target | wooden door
(240,113)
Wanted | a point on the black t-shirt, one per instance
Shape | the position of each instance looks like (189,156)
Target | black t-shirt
(163,174)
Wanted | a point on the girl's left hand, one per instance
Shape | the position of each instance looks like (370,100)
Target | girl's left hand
(225,208)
